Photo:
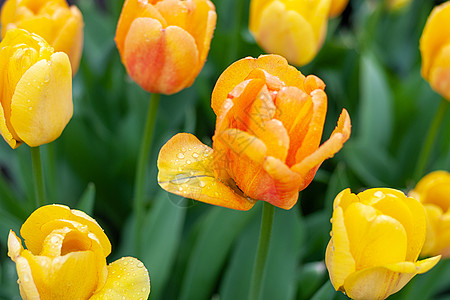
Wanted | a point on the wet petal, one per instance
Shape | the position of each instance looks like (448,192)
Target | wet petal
(127,279)
(186,168)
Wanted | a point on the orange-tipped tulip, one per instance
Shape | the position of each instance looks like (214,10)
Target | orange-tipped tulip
(376,238)
(60,25)
(435,50)
(35,90)
(294,29)
(433,191)
(66,259)
(266,144)
(337,7)
(164,43)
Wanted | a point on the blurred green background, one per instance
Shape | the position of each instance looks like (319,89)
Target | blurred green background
(370,63)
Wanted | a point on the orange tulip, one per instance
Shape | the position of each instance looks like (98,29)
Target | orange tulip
(337,7)
(266,145)
(35,90)
(164,43)
(60,25)
(435,50)
(66,259)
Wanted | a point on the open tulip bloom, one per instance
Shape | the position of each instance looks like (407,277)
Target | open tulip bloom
(376,238)
(266,145)
(66,259)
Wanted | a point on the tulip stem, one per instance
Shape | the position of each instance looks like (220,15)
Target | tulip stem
(141,167)
(263,249)
(429,141)
(38,177)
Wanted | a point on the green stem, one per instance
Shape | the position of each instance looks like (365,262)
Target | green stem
(51,174)
(430,139)
(141,167)
(38,178)
(263,249)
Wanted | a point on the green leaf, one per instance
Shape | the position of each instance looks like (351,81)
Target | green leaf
(161,237)
(311,278)
(326,292)
(375,116)
(87,200)
(209,253)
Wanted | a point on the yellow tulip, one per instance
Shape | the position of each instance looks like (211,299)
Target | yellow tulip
(66,259)
(376,238)
(433,191)
(164,43)
(267,141)
(435,50)
(35,90)
(293,29)
(60,25)
(337,7)
(397,4)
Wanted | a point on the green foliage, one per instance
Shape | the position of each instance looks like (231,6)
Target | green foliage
(371,65)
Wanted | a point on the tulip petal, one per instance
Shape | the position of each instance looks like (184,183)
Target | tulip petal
(338,258)
(237,72)
(294,110)
(127,279)
(311,141)
(308,166)
(42,103)
(186,168)
(286,32)
(285,193)
(440,73)
(160,60)
(369,233)
(32,229)
(28,289)
(383,281)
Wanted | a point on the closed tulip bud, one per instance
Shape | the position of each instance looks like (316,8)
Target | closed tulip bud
(435,50)
(266,145)
(433,191)
(337,7)
(376,238)
(164,43)
(66,259)
(35,90)
(293,29)
(60,25)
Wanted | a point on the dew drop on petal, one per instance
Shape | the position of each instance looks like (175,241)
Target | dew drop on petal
(194,155)
(180,155)
(202,184)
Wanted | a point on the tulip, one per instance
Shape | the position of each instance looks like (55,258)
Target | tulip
(433,191)
(266,145)
(66,259)
(60,25)
(35,89)
(435,50)
(376,238)
(337,7)
(294,29)
(395,5)
(164,43)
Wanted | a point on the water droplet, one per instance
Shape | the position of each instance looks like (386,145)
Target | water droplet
(180,155)
(183,149)
(188,162)
(140,265)
(180,179)
(49,62)
(30,108)
(378,194)
(47,78)
(194,155)
(202,184)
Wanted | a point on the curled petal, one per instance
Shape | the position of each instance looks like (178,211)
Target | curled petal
(186,169)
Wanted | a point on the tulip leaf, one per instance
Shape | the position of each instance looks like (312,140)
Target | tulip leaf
(280,281)
(210,250)
(87,200)
(375,116)
(311,278)
(326,292)
(161,236)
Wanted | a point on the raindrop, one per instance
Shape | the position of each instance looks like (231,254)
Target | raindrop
(188,162)
(180,179)
(30,108)
(180,155)
(47,77)
(194,155)
(202,184)
(140,265)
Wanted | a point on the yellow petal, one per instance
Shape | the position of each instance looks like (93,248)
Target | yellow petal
(14,245)
(374,239)
(42,103)
(440,73)
(28,289)
(338,258)
(127,279)
(32,229)
(186,168)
